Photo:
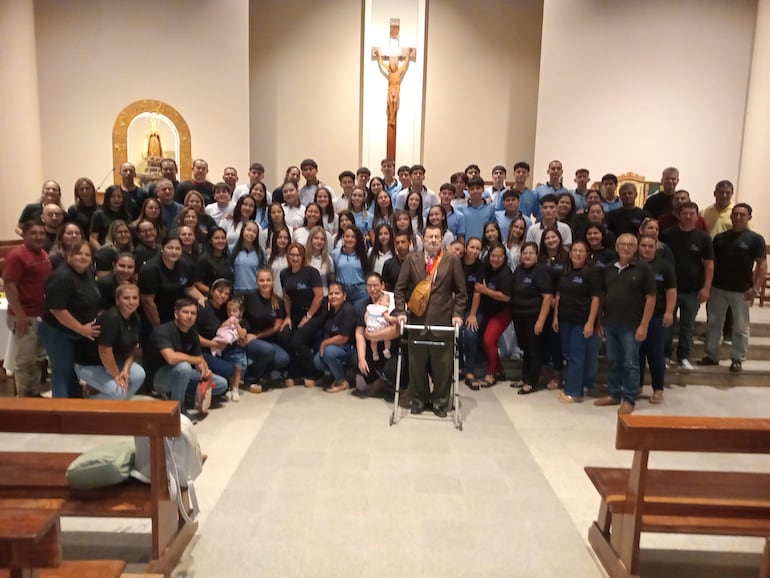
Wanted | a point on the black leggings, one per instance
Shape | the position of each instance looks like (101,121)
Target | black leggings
(531,344)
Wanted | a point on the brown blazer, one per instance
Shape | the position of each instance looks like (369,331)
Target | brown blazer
(448,295)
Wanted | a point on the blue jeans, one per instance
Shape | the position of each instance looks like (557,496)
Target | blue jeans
(687,304)
(623,359)
(177,381)
(336,359)
(356,294)
(60,346)
(469,342)
(651,351)
(264,356)
(582,356)
(98,378)
(219,365)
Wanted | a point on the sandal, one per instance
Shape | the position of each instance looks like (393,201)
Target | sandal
(338,386)
(526,389)
(517,384)
(553,383)
(486,383)
(473,384)
(255,388)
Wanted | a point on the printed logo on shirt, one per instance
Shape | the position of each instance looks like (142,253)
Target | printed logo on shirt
(577,279)
(527,280)
(301,286)
(183,280)
(694,248)
(335,328)
(743,245)
(659,276)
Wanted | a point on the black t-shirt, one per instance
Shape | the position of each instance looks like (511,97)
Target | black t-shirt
(205,188)
(143,254)
(623,220)
(81,216)
(299,287)
(343,322)
(116,332)
(734,256)
(31,212)
(107,286)
(665,279)
(625,292)
(210,268)
(658,204)
(474,273)
(576,289)
(167,285)
(168,335)
(132,199)
(529,286)
(690,249)
(259,313)
(555,268)
(602,257)
(210,319)
(50,241)
(101,221)
(390,271)
(500,280)
(105,258)
(77,293)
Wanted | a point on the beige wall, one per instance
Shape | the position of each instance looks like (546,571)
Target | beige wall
(305,85)
(21,177)
(94,58)
(481,85)
(629,85)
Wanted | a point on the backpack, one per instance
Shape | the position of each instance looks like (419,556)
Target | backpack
(184,463)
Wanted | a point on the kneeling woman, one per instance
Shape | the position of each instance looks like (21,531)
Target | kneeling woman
(107,364)
(338,345)
(72,302)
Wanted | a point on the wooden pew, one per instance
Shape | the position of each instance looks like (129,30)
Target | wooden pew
(37,479)
(640,500)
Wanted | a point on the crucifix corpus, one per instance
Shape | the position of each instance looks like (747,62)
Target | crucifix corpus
(393,61)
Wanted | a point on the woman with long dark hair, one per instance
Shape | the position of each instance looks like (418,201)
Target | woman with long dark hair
(215,261)
(85,205)
(247,258)
(350,265)
(338,346)
(113,208)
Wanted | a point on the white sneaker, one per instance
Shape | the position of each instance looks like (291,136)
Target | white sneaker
(686,365)
(668,362)
(235,395)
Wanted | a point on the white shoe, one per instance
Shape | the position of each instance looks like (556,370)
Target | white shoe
(235,395)
(668,362)
(686,365)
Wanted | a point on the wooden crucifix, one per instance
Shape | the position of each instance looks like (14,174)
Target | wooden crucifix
(393,62)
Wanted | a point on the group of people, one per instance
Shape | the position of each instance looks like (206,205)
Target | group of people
(238,286)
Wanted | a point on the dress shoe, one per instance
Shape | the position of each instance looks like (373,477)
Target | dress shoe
(607,400)
(706,361)
(736,366)
(417,407)
(657,396)
(439,411)
(625,408)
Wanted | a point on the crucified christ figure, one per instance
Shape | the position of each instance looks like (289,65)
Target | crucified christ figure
(394,69)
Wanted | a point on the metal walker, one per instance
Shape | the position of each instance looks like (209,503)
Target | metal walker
(454,392)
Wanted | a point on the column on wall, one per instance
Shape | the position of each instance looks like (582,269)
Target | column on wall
(377,15)
(21,177)
(755,153)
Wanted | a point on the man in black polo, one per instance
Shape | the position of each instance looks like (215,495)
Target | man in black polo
(661,201)
(740,267)
(628,217)
(198,182)
(694,267)
(629,302)
(392,267)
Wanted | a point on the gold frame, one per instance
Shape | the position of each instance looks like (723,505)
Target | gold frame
(120,134)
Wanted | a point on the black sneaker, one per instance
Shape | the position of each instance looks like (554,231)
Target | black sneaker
(736,366)
(707,361)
